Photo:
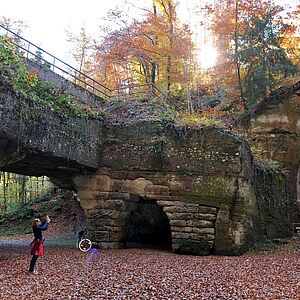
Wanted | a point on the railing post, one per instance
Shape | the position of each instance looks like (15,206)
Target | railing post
(27,52)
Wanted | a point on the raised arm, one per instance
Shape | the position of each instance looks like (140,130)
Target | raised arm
(45,224)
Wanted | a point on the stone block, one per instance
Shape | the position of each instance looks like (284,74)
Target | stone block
(119,196)
(179,216)
(116,222)
(111,214)
(117,228)
(207,210)
(176,203)
(180,235)
(181,209)
(103,183)
(102,236)
(85,195)
(178,222)
(200,223)
(136,186)
(116,185)
(202,237)
(85,182)
(181,229)
(117,236)
(203,230)
(115,204)
(89,204)
(152,190)
(101,195)
(111,245)
(202,216)
(93,183)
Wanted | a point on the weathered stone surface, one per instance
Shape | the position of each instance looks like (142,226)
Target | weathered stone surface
(152,190)
(136,186)
(202,237)
(110,245)
(180,216)
(115,204)
(170,202)
(180,209)
(181,229)
(102,236)
(273,127)
(192,247)
(200,223)
(181,223)
(203,230)
(209,217)
(202,177)
(180,235)
(116,236)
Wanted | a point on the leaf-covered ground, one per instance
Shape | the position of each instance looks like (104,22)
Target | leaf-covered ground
(66,273)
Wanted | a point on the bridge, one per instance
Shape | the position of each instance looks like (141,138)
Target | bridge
(198,183)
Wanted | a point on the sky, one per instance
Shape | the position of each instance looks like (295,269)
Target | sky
(47,22)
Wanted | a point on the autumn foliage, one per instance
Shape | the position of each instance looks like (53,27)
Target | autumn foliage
(257,44)
(152,50)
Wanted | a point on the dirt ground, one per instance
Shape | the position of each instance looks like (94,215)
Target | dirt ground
(67,273)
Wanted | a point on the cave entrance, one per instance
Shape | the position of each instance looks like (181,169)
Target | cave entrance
(148,226)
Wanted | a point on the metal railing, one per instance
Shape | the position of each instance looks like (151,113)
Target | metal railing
(55,64)
(36,53)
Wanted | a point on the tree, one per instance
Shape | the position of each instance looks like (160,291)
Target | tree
(232,22)
(82,44)
(265,62)
(152,50)
(16,26)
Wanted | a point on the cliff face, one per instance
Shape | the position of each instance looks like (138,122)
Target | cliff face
(200,177)
(199,181)
(273,127)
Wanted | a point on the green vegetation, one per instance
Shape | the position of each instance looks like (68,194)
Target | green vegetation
(196,119)
(17,190)
(128,110)
(260,154)
(27,83)
(20,216)
(265,60)
(266,245)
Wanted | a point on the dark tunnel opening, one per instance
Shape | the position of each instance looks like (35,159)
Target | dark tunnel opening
(148,226)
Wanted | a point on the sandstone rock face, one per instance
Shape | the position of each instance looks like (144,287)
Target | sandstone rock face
(201,177)
(39,141)
(275,132)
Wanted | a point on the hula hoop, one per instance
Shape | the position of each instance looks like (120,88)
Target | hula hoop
(85,245)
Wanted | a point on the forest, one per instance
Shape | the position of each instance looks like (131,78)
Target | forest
(257,46)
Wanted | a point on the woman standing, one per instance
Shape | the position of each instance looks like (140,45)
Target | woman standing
(38,241)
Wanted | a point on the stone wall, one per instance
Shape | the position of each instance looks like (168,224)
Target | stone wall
(39,141)
(277,209)
(201,177)
(80,94)
(275,134)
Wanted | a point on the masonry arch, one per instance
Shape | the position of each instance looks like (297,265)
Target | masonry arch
(148,225)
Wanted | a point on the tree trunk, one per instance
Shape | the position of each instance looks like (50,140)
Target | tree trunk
(188,89)
(236,54)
